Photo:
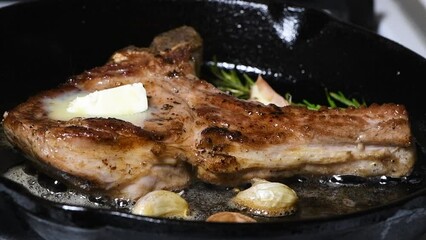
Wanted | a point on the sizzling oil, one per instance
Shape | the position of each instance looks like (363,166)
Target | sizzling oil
(318,196)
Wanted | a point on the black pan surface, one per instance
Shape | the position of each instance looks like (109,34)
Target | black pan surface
(299,50)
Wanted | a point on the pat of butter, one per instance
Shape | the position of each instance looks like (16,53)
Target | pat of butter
(123,100)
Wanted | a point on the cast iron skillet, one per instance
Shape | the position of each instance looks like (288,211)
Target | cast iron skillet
(298,50)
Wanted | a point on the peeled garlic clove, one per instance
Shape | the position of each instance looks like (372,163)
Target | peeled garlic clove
(161,203)
(269,199)
(262,92)
(229,217)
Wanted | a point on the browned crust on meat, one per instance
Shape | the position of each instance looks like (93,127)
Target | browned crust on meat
(258,125)
(226,140)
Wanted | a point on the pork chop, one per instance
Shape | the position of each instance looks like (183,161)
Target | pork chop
(193,129)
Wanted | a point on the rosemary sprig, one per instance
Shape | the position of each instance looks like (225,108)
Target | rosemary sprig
(230,82)
(331,97)
(339,96)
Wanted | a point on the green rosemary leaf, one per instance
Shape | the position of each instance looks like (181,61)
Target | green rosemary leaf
(249,81)
(230,81)
(288,97)
(339,96)
(330,101)
(311,106)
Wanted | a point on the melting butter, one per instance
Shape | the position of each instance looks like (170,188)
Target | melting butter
(123,100)
(58,109)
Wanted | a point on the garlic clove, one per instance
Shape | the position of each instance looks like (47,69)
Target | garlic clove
(269,199)
(162,203)
(262,92)
(229,217)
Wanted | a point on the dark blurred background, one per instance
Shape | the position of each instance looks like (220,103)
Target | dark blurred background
(400,20)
